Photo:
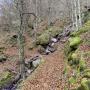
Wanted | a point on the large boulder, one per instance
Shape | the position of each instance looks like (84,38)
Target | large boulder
(74,41)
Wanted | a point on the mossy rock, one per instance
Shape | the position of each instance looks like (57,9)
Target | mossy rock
(83,29)
(82,65)
(85,84)
(74,41)
(74,56)
(75,61)
(70,56)
(87,73)
(5,78)
(54,31)
(44,38)
(3,58)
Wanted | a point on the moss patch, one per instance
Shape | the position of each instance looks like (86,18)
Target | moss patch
(5,78)
(74,41)
(44,38)
(85,28)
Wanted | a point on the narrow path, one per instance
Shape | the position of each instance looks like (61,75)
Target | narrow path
(48,75)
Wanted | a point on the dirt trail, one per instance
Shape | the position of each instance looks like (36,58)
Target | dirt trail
(48,75)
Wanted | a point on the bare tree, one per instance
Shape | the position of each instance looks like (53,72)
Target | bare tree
(20,7)
(36,19)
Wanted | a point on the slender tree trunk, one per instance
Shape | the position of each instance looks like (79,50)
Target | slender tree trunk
(21,41)
(79,13)
(49,12)
(36,20)
(75,11)
(72,14)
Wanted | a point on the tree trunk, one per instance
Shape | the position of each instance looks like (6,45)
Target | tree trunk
(75,11)
(36,20)
(21,41)
(79,13)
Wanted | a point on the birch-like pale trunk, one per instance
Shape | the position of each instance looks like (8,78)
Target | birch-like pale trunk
(72,11)
(75,12)
(79,13)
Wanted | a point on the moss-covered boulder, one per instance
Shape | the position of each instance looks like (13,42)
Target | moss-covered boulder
(44,38)
(3,58)
(82,65)
(85,84)
(5,78)
(87,73)
(74,41)
(54,31)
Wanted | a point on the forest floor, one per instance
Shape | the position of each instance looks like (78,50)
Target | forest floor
(48,76)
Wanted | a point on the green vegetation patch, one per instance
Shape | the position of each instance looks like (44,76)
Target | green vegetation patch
(85,84)
(83,29)
(44,38)
(74,41)
(5,78)
(87,73)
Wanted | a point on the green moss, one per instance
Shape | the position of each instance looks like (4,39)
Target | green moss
(87,73)
(5,78)
(74,56)
(47,34)
(43,39)
(74,41)
(67,48)
(82,65)
(54,31)
(85,84)
(83,29)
